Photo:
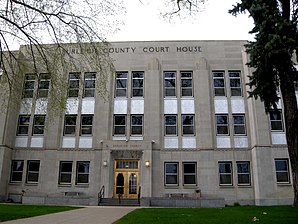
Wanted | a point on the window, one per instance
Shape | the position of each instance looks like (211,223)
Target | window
(239,124)
(89,84)
(186,84)
(282,171)
(28,88)
(82,172)
(169,84)
(121,84)
(243,173)
(235,83)
(136,124)
(39,124)
(86,124)
(17,167)
(137,84)
(171,173)
(225,173)
(32,171)
(65,171)
(222,125)
(219,83)
(276,122)
(188,124)
(74,84)
(70,122)
(43,85)
(23,124)
(189,173)
(119,124)
(170,124)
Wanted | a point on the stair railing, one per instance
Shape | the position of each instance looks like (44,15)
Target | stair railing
(139,194)
(101,194)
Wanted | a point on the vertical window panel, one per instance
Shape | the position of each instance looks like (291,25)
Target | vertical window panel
(170,124)
(225,173)
(74,84)
(121,84)
(282,171)
(82,176)
(119,124)
(23,125)
(43,85)
(222,124)
(65,172)
(38,124)
(28,87)
(32,171)
(219,83)
(171,173)
(89,84)
(189,173)
(137,84)
(188,124)
(276,121)
(169,84)
(235,83)
(86,124)
(17,167)
(136,124)
(239,124)
(243,173)
(186,84)
(70,123)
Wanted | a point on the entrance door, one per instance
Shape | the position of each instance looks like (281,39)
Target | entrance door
(126,178)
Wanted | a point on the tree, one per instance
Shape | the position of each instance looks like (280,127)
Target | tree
(49,30)
(271,56)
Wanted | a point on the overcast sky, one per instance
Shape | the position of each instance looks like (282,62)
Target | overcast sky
(142,22)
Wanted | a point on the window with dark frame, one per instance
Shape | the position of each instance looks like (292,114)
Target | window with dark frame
(235,83)
(32,171)
(171,173)
(86,124)
(169,84)
(219,83)
(186,84)
(276,121)
(222,124)
(136,124)
(189,173)
(23,125)
(70,122)
(28,87)
(17,167)
(82,176)
(225,173)
(282,171)
(38,124)
(65,172)
(121,84)
(138,84)
(188,127)
(239,124)
(89,84)
(243,172)
(119,124)
(43,85)
(170,124)
(73,84)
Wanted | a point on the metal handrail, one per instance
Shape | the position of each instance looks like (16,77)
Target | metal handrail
(101,194)
(139,194)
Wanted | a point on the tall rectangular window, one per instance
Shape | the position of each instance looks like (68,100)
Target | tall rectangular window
(43,85)
(137,84)
(186,84)
(169,84)
(276,122)
(82,176)
(119,124)
(188,127)
(170,124)
(235,83)
(38,124)
(121,84)
(171,173)
(73,84)
(32,171)
(243,173)
(89,84)
(17,167)
(23,124)
(225,173)
(189,173)
(219,83)
(136,124)
(86,124)
(70,122)
(222,124)
(65,172)
(282,171)
(239,124)
(29,83)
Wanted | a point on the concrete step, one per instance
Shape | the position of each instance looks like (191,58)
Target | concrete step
(117,202)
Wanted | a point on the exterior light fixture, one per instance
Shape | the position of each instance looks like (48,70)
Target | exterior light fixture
(105,163)
(147,163)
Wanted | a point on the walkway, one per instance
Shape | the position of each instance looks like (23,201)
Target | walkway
(87,215)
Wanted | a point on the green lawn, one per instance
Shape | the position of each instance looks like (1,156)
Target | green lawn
(228,215)
(18,211)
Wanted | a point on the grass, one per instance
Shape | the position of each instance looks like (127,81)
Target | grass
(18,211)
(228,215)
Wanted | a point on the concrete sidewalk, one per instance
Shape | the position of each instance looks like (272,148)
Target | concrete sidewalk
(87,215)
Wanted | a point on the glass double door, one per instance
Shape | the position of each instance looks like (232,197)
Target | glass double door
(126,178)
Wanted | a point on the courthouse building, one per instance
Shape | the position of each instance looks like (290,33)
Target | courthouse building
(177,122)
